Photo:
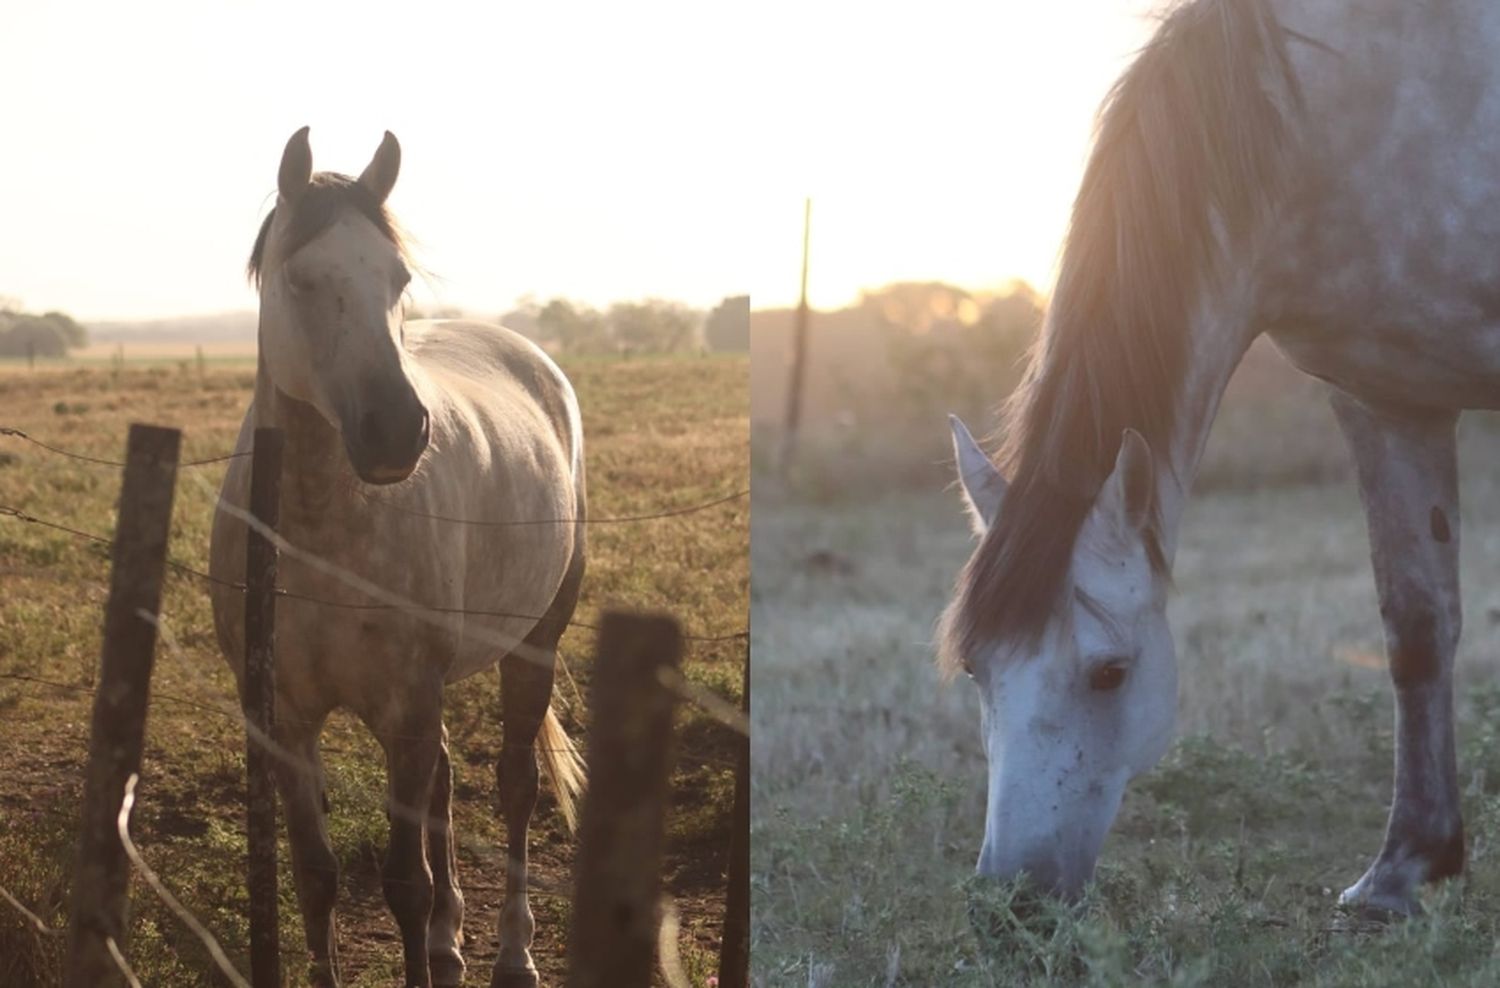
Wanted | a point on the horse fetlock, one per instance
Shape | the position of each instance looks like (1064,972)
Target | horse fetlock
(447,966)
(1391,884)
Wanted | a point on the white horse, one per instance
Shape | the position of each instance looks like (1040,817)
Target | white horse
(388,423)
(1326,172)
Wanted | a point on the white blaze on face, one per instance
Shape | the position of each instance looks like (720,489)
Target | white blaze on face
(1070,719)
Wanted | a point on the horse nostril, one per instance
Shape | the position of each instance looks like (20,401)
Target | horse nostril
(370,430)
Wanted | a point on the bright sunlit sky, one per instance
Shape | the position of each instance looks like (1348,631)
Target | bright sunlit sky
(597,151)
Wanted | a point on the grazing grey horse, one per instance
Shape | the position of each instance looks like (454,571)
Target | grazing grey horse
(387,424)
(1326,172)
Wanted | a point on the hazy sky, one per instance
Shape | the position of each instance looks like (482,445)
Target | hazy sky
(598,151)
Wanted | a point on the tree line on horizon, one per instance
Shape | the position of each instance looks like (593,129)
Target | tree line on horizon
(907,352)
(646,326)
(48,334)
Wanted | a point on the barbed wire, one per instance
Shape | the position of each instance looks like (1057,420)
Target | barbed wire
(24,516)
(681,757)
(122,827)
(41,926)
(31,917)
(6,430)
(402,509)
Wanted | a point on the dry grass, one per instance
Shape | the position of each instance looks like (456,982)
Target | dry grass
(660,432)
(868,785)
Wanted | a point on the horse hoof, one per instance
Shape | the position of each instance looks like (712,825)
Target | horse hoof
(447,970)
(1373,900)
(514,977)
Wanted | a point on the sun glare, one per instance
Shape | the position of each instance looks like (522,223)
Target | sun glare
(585,151)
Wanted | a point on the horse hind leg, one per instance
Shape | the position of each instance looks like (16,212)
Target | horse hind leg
(1407,468)
(315,869)
(445,937)
(526,699)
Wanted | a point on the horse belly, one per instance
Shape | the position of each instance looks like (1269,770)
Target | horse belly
(1457,370)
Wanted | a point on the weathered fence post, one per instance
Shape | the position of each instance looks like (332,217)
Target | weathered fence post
(734,949)
(118,727)
(259,704)
(616,884)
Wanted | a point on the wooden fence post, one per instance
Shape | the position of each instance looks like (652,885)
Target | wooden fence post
(259,705)
(118,727)
(618,875)
(734,948)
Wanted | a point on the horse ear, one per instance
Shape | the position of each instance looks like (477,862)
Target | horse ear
(1128,496)
(982,484)
(380,174)
(296,167)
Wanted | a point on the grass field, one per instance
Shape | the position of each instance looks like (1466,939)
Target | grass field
(660,432)
(1225,863)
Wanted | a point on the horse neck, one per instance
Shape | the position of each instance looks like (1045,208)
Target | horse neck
(1219,335)
(315,473)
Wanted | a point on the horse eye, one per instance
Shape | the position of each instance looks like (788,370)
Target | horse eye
(402,279)
(1107,677)
(299,284)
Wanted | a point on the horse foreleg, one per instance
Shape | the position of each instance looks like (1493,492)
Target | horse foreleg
(412,755)
(445,936)
(1407,470)
(300,779)
(525,692)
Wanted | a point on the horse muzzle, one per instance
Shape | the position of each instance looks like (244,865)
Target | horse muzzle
(388,443)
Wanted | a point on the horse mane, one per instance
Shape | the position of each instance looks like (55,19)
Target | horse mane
(327,196)
(1187,153)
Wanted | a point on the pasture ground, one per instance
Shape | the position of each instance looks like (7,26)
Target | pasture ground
(660,432)
(1225,863)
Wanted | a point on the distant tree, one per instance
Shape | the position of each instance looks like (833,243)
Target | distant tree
(24,334)
(33,336)
(957,358)
(653,325)
(73,333)
(576,328)
(922,306)
(728,325)
(523,318)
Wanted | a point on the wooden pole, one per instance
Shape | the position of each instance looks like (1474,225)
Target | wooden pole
(734,949)
(799,354)
(259,704)
(618,873)
(118,728)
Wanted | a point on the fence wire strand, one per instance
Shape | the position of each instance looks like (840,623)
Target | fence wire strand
(377,502)
(121,963)
(6,430)
(122,826)
(31,917)
(396,603)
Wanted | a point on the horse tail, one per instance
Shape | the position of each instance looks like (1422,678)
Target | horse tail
(563,765)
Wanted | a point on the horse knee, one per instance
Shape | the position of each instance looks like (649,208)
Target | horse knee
(409,893)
